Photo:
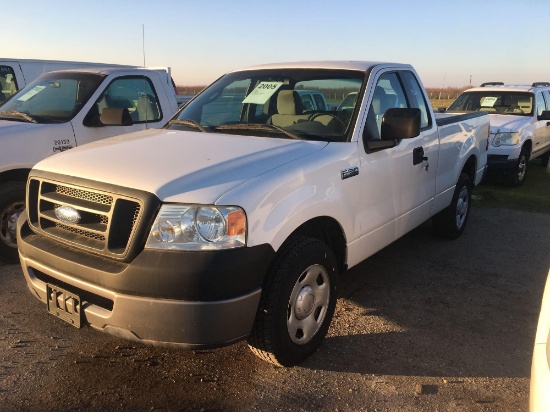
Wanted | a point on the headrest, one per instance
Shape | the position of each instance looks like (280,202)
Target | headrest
(289,102)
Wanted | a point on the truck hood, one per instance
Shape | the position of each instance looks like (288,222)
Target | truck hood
(10,127)
(508,123)
(179,166)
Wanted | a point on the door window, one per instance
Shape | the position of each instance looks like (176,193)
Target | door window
(416,98)
(388,94)
(135,93)
(541,106)
(8,83)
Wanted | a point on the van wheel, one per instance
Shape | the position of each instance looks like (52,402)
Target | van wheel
(297,302)
(517,178)
(12,203)
(451,222)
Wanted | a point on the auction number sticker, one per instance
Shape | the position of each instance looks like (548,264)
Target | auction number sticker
(488,101)
(262,92)
(32,92)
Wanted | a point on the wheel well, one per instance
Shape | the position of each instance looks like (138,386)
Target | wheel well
(329,231)
(19,175)
(529,146)
(470,168)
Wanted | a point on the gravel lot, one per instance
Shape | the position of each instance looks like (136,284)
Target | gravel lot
(424,324)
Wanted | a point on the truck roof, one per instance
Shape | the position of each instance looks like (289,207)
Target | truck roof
(508,88)
(105,69)
(331,64)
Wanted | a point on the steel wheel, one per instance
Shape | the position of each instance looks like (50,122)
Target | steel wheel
(308,304)
(462,206)
(8,223)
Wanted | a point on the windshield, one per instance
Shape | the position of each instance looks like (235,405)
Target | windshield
(51,98)
(269,103)
(495,102)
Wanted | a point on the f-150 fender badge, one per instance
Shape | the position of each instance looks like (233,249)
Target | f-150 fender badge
(353,171)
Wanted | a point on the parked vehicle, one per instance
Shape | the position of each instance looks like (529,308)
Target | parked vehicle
(520,125)
(313,100)
(248,209)
(539,396)
(17,73)
(63,109)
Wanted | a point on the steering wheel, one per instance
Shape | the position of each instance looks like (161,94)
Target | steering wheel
(330,114)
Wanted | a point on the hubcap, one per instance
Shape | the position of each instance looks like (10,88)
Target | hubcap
(522,166)
(462,206)
(308,304)
(8,223)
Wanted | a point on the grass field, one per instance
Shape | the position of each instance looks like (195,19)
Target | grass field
(533,195)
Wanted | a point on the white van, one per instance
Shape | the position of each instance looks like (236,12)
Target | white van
(17,73)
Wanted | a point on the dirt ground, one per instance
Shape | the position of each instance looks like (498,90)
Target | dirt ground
(424,325)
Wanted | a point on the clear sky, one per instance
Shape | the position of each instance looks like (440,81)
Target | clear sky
(447,41)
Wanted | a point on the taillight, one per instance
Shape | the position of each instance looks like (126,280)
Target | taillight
(488,137)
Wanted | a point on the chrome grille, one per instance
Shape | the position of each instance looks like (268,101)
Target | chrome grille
(106,221)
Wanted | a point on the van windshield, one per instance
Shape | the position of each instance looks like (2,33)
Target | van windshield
(495,102)
(270,103)
(51,98)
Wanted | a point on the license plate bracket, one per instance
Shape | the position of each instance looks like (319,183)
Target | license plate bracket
(65,305)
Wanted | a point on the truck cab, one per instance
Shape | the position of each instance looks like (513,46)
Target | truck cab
(65,109)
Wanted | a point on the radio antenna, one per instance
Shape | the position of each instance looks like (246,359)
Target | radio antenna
(143,42)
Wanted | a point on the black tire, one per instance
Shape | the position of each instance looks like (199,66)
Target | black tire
(12,203)
(297,302)
(451,222)
(544,159)
(517,177)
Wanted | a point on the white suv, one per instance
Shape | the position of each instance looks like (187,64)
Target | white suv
(520,124)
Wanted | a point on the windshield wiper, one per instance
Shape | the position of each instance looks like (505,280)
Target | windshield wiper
(15,113)
(258,126)
(190,123)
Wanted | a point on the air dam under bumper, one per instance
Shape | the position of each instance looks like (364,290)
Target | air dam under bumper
(148,319)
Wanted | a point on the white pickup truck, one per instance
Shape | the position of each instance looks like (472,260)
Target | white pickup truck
(235,220)
(520,125)
(64,109)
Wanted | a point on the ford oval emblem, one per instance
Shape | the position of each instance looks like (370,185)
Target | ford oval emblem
(67,214)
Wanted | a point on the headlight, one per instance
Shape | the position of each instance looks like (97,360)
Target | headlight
(506,139)
(193,227)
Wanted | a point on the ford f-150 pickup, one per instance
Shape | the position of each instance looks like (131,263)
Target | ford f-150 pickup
(64,109)
(236,219)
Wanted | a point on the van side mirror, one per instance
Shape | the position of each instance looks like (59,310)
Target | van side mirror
(545,115)
(115,116)
(400,124)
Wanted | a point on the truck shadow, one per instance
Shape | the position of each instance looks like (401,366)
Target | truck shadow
(425,306)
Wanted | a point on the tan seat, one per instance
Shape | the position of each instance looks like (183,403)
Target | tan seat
(147,109)
(525,105)
(289,109)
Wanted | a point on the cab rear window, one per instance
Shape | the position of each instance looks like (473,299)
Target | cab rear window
(7,82)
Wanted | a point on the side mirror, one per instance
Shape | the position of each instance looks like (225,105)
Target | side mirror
(545,115)
(400,124)
(115,117)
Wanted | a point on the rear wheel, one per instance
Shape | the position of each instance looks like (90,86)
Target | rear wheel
(12,203)
(297,303)
(451,222)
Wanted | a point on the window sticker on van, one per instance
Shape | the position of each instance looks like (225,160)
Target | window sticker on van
(488,101)
(32,92)
(262,92)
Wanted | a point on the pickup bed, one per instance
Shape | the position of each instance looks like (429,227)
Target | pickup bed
(65,109)
(235,220)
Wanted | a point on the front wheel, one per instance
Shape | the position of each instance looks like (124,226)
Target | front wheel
(12,203)
(451,222)
(517,178)
(297,303)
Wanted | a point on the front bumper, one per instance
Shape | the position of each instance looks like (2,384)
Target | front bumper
(169,298)
(501,163)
